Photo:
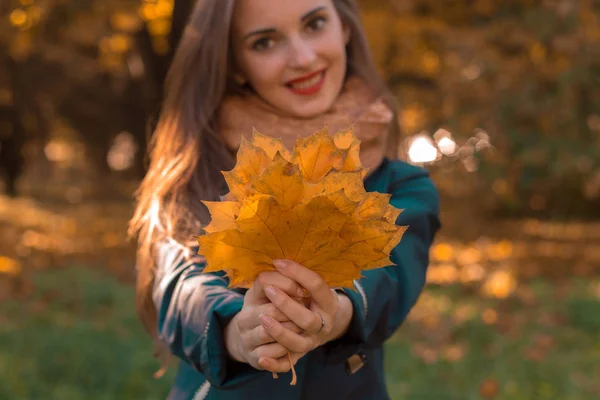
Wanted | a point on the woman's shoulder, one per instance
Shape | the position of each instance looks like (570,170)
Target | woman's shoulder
(410,182)
(403,170)
(391,171)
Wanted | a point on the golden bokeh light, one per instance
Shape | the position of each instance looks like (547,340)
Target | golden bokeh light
(489,316)
(9,266)
(164,8)
(147,11)
(125,22)
(120,43)
(500,284)
(500,250)
(159,27)
(442,274)
(412,118)
(442,252)
(472,273)
(18,18)
(470,255)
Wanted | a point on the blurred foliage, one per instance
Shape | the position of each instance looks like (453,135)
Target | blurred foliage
(523,74)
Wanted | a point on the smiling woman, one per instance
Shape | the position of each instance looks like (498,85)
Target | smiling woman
(294,59)
(286,68)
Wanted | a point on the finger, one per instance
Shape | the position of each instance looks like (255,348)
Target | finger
(306,319)
(275,278)
(259,336)
(250,320)
(281,364)
(271,350)
(292,341)
(292,327)
(271,310)
(311,281)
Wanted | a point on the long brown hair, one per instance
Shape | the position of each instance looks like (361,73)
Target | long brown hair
(186,152)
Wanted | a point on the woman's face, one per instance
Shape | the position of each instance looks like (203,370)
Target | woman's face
(292,52)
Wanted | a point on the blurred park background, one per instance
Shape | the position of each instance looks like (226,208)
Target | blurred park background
(500,102)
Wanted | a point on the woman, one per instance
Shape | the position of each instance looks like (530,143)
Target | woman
(286,68)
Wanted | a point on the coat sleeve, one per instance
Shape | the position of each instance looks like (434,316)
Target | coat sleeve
(193,309)
(383,297)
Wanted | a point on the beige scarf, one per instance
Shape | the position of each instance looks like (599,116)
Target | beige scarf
(356,105)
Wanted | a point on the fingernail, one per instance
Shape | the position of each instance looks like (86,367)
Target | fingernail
(300,292)
(263,362)
(265,320)
(270,291)
(281,264)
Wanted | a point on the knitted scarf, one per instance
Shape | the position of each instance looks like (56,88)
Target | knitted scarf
(356,106)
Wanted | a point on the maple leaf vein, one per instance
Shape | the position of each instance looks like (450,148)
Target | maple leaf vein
(269,229)
(304,237)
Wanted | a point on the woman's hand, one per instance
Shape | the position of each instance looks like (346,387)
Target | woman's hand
(247,340)
(326,318)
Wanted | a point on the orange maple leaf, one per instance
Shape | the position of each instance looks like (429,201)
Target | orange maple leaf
(308,205)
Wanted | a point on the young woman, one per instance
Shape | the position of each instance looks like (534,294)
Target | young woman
(286,68)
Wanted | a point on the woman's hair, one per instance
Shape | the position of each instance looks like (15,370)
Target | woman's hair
(186,151)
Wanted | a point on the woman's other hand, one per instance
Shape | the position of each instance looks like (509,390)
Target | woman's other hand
(246,339)
(326,318)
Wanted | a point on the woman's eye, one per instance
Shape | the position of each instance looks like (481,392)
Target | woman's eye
(263,44)
(317,24)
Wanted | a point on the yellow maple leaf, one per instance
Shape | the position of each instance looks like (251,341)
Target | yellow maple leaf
(251,161)
(271,146)
(223,215)
(347,140)
(281,179)
(351,183)
(308,205)
(377,205)
(317,154)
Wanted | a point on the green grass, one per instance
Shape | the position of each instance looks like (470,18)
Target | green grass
(77,338)
(549,350)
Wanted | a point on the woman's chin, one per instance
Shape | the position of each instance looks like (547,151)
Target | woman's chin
(309,108)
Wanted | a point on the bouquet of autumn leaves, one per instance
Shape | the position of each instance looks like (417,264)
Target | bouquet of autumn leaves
(308,205)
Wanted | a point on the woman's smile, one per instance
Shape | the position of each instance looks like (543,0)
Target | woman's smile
(292,54)
(308,84)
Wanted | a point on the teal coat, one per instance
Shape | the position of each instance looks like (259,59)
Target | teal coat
(193,309)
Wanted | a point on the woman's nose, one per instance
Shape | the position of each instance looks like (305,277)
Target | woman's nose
(302,53)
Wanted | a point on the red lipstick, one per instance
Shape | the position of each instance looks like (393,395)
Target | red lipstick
(307,84)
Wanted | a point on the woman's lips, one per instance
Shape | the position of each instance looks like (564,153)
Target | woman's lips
(307,85)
